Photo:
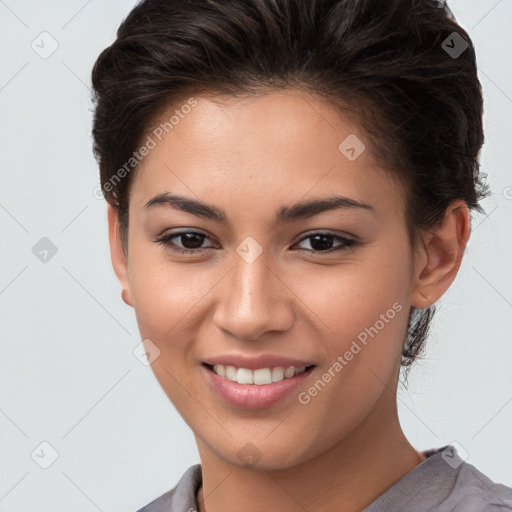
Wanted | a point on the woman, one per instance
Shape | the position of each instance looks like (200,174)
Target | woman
(289,186)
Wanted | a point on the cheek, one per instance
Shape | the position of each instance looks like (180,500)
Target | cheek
(363,307)
(164,291)
(369,288)
(166,298)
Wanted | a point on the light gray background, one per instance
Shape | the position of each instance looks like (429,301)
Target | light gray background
(67,372)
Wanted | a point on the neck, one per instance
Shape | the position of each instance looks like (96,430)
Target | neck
(346,477)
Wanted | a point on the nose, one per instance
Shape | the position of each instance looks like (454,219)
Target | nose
(253,299)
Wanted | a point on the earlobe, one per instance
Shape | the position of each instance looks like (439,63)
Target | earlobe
(117,255)
(443,251)
(125,295)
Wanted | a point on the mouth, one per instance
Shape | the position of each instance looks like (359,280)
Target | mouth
(260,376)
(257,382)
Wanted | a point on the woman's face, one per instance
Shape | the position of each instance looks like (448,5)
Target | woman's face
(260,283)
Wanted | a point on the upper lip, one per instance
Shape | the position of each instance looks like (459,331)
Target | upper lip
(256,362)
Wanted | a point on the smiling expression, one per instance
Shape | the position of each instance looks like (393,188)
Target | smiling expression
(294,251)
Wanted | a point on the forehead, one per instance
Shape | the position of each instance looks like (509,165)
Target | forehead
(282,143)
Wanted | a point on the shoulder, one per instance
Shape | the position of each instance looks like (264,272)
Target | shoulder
(445,483)
(474,491)
(182,497)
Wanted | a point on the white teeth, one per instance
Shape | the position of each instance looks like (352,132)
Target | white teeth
(289,372)
(244,376)
(262,376)
(219,369)
(299,370)
(258,377)
(230,372)
(277,374)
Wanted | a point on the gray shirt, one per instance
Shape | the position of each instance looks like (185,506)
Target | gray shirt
(442,483)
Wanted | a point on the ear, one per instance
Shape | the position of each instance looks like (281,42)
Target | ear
(441,256)
(117,255)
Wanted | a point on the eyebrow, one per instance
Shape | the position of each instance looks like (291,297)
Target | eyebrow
(300,210)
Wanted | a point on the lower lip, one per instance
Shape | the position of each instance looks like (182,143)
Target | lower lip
(254,396)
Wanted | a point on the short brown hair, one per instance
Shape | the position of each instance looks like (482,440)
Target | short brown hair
(390,63)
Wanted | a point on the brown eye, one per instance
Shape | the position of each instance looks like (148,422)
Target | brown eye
(191,242)
(323,242)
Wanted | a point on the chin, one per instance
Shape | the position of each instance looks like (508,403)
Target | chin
(263,456)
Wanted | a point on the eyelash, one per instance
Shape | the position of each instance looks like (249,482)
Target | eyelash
(166,241)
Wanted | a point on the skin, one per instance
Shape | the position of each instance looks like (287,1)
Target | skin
(249,157)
